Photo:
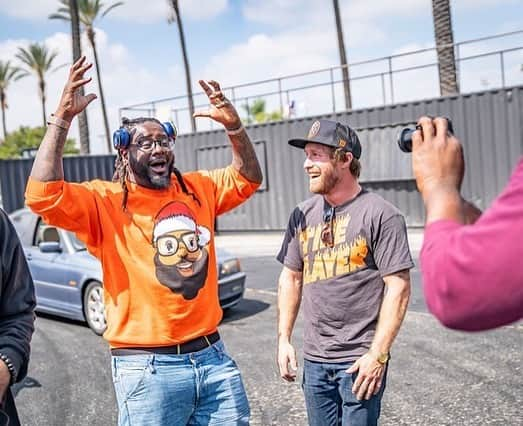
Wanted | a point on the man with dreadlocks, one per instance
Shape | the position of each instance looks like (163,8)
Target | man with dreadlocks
(152,229)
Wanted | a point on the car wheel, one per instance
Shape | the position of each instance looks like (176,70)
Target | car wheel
(94,310)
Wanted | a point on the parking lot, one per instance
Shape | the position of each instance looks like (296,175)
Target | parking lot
(437,376)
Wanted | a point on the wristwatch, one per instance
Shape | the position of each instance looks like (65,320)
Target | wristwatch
(381,357)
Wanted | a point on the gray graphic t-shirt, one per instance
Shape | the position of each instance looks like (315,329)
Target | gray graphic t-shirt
(343,285)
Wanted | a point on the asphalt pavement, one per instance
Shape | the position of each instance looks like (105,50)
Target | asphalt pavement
(437,376)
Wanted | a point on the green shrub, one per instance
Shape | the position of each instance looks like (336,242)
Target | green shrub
(26,139)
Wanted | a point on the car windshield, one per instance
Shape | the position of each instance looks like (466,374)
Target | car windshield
(77,244)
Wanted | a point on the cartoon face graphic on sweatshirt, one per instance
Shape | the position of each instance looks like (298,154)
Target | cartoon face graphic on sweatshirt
(181,258)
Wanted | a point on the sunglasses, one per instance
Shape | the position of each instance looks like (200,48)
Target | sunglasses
(327,232)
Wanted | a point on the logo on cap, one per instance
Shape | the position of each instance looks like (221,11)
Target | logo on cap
(342,143)
(315,128)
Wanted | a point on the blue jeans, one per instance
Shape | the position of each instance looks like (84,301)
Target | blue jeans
(199,388)
(329,398)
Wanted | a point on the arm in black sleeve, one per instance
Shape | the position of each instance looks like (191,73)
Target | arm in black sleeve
(17,299)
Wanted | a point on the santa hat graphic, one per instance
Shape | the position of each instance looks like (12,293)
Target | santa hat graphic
(176,216)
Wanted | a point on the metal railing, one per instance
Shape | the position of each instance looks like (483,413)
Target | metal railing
(281,95)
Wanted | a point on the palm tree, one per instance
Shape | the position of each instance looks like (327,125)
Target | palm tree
(83,125)
(88,12)
(175,16)
(256,112)
(445,47)
(39,60)
(343,57)
(8,73)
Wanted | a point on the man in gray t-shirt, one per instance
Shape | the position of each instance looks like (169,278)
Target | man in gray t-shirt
(346,251)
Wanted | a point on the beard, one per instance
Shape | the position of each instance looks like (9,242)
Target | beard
(169,276)
(148,178)
(324,184)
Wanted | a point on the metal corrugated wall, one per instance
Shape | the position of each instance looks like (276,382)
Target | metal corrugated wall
(386,170)
(488,123)
(14,174)
(13,177)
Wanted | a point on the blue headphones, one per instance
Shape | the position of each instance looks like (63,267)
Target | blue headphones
(122,138)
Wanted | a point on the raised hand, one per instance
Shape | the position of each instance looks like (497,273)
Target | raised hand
(221,109)
(72,101)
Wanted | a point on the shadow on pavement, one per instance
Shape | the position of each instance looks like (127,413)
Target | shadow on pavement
(61,319)
(28,382)
(244,309)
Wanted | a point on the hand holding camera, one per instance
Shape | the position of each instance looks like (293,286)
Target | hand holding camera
(437,156)
(438,166)
(405,135)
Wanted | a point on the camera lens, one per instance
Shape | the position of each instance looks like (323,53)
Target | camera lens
(405,139)
(405,136)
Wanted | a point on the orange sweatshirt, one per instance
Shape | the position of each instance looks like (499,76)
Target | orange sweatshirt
(158,258)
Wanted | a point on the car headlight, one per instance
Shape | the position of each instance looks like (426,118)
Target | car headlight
(229,267)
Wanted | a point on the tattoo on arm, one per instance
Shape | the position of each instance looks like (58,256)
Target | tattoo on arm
(48,165)
(244,157)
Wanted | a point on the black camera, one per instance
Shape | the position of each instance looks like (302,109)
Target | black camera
(405,136)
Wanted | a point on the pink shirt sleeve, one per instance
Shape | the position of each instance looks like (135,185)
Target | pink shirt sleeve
(473,274)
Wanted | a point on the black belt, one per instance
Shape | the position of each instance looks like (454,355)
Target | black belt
(193,345)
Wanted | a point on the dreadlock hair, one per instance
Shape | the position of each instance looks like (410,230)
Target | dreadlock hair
(120,174)
(180,180)
(340,154)
(121,164)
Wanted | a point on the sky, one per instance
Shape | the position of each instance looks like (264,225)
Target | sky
(242,41)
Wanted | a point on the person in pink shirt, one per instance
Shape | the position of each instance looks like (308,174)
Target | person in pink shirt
(472,263)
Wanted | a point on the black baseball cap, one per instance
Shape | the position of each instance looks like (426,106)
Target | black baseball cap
(331,133)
